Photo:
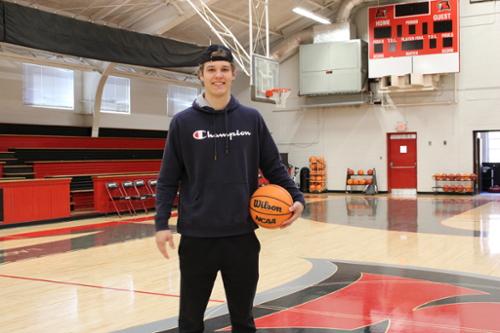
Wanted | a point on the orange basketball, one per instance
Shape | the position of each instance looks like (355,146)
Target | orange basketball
(269,206)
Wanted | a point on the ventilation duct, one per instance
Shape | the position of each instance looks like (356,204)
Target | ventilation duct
(345,10)
(290,46)
(336,32)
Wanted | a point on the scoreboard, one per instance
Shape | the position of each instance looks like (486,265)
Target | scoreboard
(419,37)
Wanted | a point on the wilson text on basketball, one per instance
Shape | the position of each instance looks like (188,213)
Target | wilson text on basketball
(266,205)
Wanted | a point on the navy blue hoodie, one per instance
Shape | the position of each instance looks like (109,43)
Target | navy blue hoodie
(213,157)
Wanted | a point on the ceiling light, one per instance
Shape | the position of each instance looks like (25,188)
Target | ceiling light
(311,15)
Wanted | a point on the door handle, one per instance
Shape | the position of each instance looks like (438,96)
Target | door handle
(391,164)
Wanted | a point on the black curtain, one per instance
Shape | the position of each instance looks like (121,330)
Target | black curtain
(45,31)
(2,22)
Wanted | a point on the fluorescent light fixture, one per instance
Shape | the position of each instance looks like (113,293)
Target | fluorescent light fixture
(311,15)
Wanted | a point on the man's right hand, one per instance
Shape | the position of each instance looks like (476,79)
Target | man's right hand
(162,238)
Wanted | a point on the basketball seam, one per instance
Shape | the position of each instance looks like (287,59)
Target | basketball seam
(280,188)
(282,214)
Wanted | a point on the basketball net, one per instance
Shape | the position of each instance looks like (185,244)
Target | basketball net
(279,95)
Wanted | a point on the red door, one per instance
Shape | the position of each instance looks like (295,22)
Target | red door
(402,160)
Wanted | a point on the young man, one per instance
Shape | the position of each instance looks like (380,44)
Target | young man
(213,153)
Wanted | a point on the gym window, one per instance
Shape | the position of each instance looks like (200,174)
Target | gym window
(180,98)
(116,95)
(49,87)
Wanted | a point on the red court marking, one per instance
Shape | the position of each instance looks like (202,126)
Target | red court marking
(96,287)
(377,297)
(67,230)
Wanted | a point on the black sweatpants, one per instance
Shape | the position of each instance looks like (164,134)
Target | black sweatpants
(237,258)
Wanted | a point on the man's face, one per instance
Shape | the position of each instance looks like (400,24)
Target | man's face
(217,77)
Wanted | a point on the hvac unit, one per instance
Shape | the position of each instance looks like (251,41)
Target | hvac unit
(333,67)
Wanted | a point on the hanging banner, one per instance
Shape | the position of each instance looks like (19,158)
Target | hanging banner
(41,30)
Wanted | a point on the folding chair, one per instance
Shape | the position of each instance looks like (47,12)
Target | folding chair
(142,192)
(151,184)
(116,194)
(130,191)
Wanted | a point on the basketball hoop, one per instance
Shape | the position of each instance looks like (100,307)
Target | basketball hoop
(278,95)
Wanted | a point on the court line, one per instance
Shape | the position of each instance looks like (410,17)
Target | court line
(320,270)
(66,230)
(95,286)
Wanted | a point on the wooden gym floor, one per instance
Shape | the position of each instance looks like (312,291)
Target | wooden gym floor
(352,264)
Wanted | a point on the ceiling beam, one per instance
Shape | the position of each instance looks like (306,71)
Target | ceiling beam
(176,5)
(108,10)
(133,19)
(89,6)
(288,22)
(64,12)
(179,19)
(130,10)
(315,4)
(237,19)
(225,35)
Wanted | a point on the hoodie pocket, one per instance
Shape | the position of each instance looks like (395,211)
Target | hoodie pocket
(222,204)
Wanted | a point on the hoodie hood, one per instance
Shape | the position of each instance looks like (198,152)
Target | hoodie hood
(201,104)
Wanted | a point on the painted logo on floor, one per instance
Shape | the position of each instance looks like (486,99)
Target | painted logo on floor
(364,298)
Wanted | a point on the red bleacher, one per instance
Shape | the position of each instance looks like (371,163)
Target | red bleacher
(79,200)
(77,168)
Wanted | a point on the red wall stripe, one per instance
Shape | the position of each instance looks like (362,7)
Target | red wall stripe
(44,169)
(41,141)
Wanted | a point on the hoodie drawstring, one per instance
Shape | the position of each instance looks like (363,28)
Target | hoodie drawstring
(215,139)
(200,104)
(227,131)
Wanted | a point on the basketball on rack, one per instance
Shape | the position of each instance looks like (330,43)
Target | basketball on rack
(269,206)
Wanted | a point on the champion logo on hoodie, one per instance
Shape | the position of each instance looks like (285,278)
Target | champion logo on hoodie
(203,134)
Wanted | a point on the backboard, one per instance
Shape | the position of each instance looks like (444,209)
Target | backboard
(265,76)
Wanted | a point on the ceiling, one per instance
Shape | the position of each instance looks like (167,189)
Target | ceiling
(176,19)
(179,20)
